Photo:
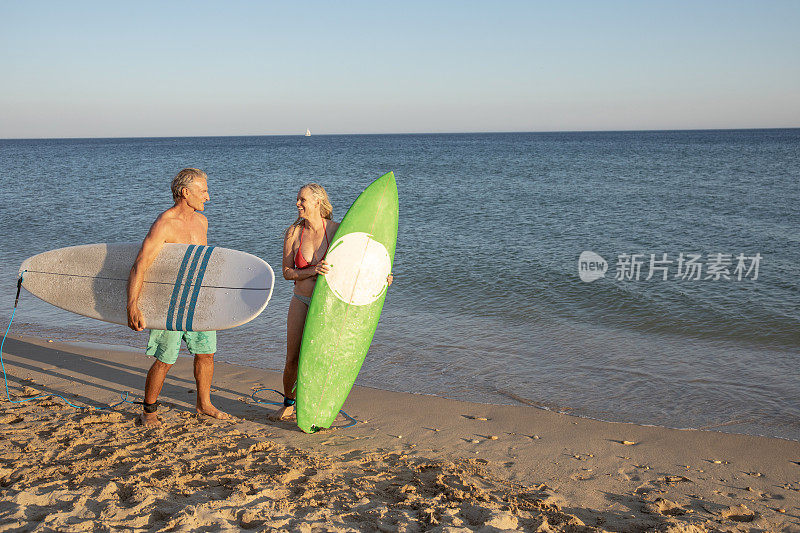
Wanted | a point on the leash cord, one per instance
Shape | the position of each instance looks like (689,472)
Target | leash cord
(352,423)
(124,397)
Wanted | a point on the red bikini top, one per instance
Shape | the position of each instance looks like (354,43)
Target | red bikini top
(299,260)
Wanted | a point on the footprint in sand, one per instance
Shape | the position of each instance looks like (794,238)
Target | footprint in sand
(585,475)
(739,513)
(626,475)
(665,507)
(12,418)
(112,417)
(670,480)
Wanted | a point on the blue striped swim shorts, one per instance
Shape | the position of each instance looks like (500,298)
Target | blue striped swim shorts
(165,345)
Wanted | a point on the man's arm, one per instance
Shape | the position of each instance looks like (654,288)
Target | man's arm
(151,247)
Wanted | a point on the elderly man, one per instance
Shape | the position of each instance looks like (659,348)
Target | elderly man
(181,223)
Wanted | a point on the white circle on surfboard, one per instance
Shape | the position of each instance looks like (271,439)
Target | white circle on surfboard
(359,267)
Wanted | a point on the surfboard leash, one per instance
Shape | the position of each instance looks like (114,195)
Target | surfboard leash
(123,396)
(352,423)
(5,376)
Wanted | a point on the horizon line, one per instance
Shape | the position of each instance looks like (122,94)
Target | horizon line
(648,130)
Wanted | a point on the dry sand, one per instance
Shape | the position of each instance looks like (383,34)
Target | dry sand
(413,463)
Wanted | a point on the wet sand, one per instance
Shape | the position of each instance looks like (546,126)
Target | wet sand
(412,463)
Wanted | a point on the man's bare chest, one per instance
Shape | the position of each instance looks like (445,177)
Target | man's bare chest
(189,234)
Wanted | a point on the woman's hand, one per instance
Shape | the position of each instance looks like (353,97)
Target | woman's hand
(322,268)
(389,280)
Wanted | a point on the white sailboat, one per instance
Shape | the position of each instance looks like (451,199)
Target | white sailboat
(308,132)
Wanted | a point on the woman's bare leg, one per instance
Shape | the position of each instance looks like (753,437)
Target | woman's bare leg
(295,323)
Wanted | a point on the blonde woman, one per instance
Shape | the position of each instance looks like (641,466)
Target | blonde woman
(304,247)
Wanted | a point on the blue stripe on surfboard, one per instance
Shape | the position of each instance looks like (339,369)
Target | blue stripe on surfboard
(178,282)
(187,287)
(198,284)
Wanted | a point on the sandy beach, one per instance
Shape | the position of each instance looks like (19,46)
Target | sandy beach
(412,463)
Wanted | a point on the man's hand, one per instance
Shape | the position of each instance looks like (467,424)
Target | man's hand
(135,319)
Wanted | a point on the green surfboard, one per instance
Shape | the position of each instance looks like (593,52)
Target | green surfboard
(346,304)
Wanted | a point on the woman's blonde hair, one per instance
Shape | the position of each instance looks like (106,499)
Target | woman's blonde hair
(318,192)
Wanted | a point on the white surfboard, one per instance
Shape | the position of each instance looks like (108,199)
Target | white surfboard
(188,288)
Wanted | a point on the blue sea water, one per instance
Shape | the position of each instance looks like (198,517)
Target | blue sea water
(487,303)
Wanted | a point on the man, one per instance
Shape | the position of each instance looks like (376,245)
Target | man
(181,223)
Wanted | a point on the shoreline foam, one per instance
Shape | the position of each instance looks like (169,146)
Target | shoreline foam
(581,400)
(567,411)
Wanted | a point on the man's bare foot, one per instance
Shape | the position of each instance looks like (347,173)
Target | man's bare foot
(213,412)
(284,413)
(150,420)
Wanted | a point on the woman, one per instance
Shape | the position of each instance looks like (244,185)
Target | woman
(304,247)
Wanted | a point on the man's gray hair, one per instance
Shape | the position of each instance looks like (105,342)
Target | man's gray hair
(185,178)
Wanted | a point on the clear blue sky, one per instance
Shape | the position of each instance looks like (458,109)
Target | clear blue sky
(109,69)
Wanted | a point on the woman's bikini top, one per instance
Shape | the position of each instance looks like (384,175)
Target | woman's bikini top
(299,260)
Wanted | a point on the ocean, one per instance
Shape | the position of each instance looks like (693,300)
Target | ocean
(489,303)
